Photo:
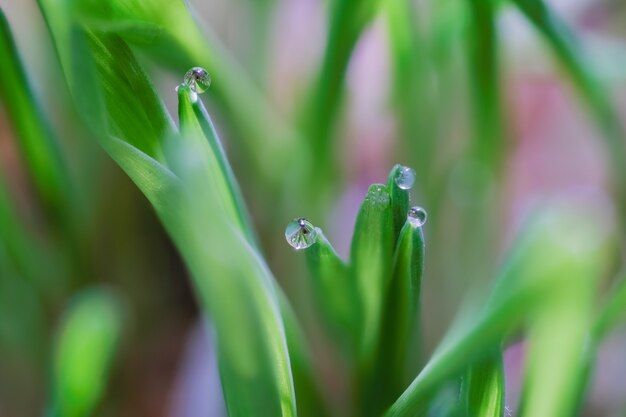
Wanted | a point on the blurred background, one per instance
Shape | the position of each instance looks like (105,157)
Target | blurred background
(489,113)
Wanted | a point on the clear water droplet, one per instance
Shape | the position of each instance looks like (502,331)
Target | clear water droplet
(417,216)
(405,177)
(198,79)
(377,194)
(300,233)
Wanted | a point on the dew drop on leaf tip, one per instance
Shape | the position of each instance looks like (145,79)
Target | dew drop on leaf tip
(300,233)
(417,216)
(198,80)
(405,177)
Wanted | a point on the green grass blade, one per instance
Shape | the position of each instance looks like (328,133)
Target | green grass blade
(196,124)
(484,78)
(310,401)
(613,311)
(85,347)
(400,319)
(556,252)
(484,388)
(237,291)
(167,31)
(568,51)
(399,199)
(370,261)
(334,290)
(38,145)
(348,19)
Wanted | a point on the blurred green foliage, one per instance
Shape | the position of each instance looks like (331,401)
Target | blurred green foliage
(64,337)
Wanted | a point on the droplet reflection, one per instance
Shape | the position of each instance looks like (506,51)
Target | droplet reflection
(417,216)
(300,234)
(198,79)
(405,177)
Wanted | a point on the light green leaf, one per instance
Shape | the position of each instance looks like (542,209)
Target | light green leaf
(36,141)
(483,387)
(557,251)
(370,264)
(334,290)
(86,343)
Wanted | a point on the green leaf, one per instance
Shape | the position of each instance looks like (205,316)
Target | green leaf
(235,288)
(348,19)
(334,290)
(196,124)
(484,76)
(613,311)
(306,381)
(556,252)
(167,31)
(484,387)
(370,255)
(400,319)
(567,49)
(86,343)
(37,143)
(399,200)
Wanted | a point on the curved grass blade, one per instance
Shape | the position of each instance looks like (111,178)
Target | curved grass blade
(555,251)
(196,124)
(167,31)
(85,347)
(237,290)
(566,48)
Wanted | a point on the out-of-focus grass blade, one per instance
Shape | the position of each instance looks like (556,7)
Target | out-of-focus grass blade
(370,263)
(348,18)
(36,141)
(483,387)
(254,362)
(167,31)
(85,347)
(309,399)
(13,233)
(237,290)
(555,358)
(562,41)
(484,78)
(613,311)
(556,251)
(400,319)
(334,290)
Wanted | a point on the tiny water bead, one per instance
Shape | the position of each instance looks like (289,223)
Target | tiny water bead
(417,216)
(405,177)
(300,233)
(377,194)
(198,79)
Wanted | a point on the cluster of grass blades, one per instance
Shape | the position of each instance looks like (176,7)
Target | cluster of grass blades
(369,305)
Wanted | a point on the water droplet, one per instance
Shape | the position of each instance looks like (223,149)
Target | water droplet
(300,233)
(405,177)
(417,216)
(198,79)
(377,194)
